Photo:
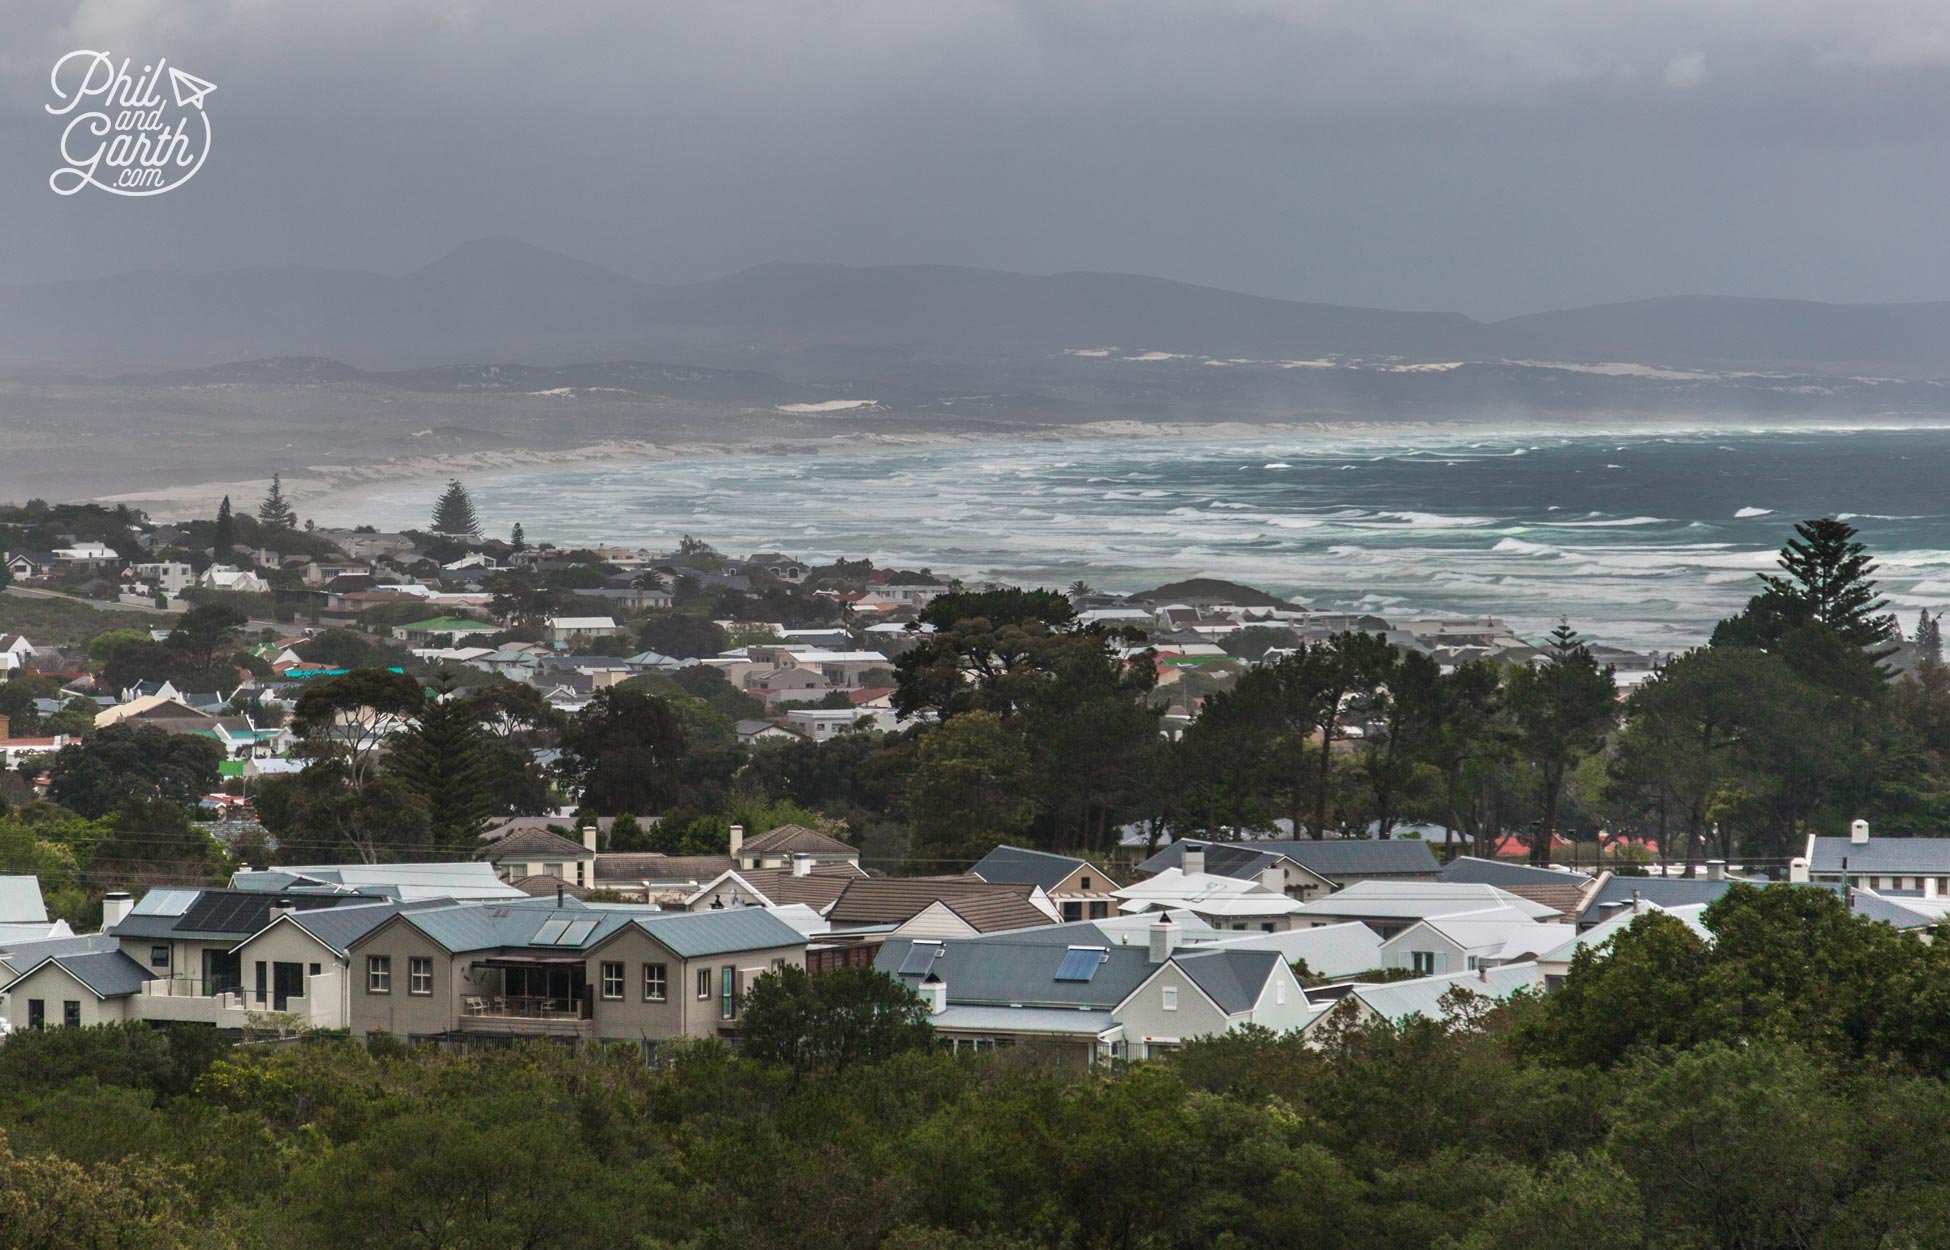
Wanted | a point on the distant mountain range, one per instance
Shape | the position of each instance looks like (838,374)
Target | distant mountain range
(927,326)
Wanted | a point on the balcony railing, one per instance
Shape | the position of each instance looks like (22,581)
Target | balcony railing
(513,1007)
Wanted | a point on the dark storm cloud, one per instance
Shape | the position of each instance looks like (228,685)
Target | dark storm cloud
(1496,156)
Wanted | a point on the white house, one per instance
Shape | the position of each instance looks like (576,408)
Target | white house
(15,651)
(230,577)
(1466,941)
(572,629)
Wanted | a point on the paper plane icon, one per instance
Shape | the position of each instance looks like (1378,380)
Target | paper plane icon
(189,89)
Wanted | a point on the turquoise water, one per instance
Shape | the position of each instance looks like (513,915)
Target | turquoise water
(1639,539)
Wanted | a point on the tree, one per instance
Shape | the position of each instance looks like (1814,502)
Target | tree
(348,718)
(1929,637)
(831,1022)
(970,790)
(1563,706)
(276,512)
(1826,578)
(682,636)
(627,748)
(448,761)
(225,535)
(122,762)
(454,514)
(205,636)
(517,539)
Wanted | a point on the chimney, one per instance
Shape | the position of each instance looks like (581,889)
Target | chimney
(1273,878)
(1929,887)
(589,838)
(934,992)
(1716,870)
(1798,871)
(559,891)
(1164,937)
(737,840)
(282,906)
(116,905)
(802,865)
(1194,861)
(1858,832)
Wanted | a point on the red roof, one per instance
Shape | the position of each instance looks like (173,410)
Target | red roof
(857,697)
(21,744)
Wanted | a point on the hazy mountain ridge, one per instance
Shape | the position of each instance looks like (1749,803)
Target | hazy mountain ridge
(501,300)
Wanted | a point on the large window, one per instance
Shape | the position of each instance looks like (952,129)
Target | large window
(379,974)
(728,992)
(612,980)
(419,974)
(71,1013)
(656,983)
(1423,962)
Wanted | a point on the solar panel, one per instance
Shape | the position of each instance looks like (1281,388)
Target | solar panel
(551,931)
(577,933)
(165,902)
(920,959)
(1081,963)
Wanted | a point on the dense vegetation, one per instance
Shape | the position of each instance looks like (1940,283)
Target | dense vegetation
(1780,1087)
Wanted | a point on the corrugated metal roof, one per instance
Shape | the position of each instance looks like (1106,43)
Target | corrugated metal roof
(1399,1000)
(1051,1020)
(23,955)
(1920,856)
(692,934)
(1665,892)
(1416,900)
(1502,873)
(1332,950)
(1001,971)
(109,974)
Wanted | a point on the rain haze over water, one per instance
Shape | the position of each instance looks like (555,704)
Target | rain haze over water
(1639,539)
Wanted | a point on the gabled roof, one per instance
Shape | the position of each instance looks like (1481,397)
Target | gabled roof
(892,900)
(1918,856)
(337,928)
(537,925)
(26,953)
(1232,978)
(1396,1001)
(1330,950)
(1003,971)
(794,840)
(1503,873)
(996,913)
(1021,864)
(817,889)
(106,974)
(21,902)
(1416,900)
(534,844)
(219,915)
(648,866)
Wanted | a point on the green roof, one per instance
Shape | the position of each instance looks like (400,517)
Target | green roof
(230,768)
(449,625)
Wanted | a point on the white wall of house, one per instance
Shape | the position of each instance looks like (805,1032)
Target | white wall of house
(1439,954)
(1165,1010)
(55,987)
(935,921)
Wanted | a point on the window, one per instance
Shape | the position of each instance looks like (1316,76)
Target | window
(612,980)
(1099,910)
(1083,883)
(419,974)
(71,1013)
(159,957)
(1423,962)
(1072,912)
(36,1013)
(263,988)
(656,983)
(703,984)
(728,992)
(379,974)
(314,969)
(1171,998)
(1279,993)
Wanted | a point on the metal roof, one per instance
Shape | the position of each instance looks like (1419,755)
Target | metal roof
(1398,1000)
(1230,977)
(108,974)
(1332,950)
(20,955)
(1020,864)
(20,901)
(1054,1020)
(1000,971)
(1502,873)
(1667,892)
(692,934)
(1417,900)
(1334,858)
(1920,856)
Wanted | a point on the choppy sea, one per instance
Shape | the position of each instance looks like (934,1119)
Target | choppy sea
(1640,539)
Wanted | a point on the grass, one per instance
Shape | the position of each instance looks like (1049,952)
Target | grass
(61,623)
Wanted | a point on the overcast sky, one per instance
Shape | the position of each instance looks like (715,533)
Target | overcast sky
(1491,156)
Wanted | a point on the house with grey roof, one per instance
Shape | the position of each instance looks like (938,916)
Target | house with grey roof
(1467,941)
(72,989)
(1080,890)
(615,973)
(1089,998)
(21,901)
(1437,998)
(1390,907)
(1311,867)
(1612,894)
(1885,863)
(1560,888)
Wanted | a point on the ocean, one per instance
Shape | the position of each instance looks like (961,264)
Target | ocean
(1639,539)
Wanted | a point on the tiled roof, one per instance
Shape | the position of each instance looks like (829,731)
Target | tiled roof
(793,840)
(996,913)
(545,886)
(891,900)
(534,844)
(652,867)
(819,888)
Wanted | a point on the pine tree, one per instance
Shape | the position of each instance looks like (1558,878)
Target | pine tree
(1829,580)
(454,514)
(1929,637)
(1562,706)
(447,759)
(276,512)
(519,539)
(225,536)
